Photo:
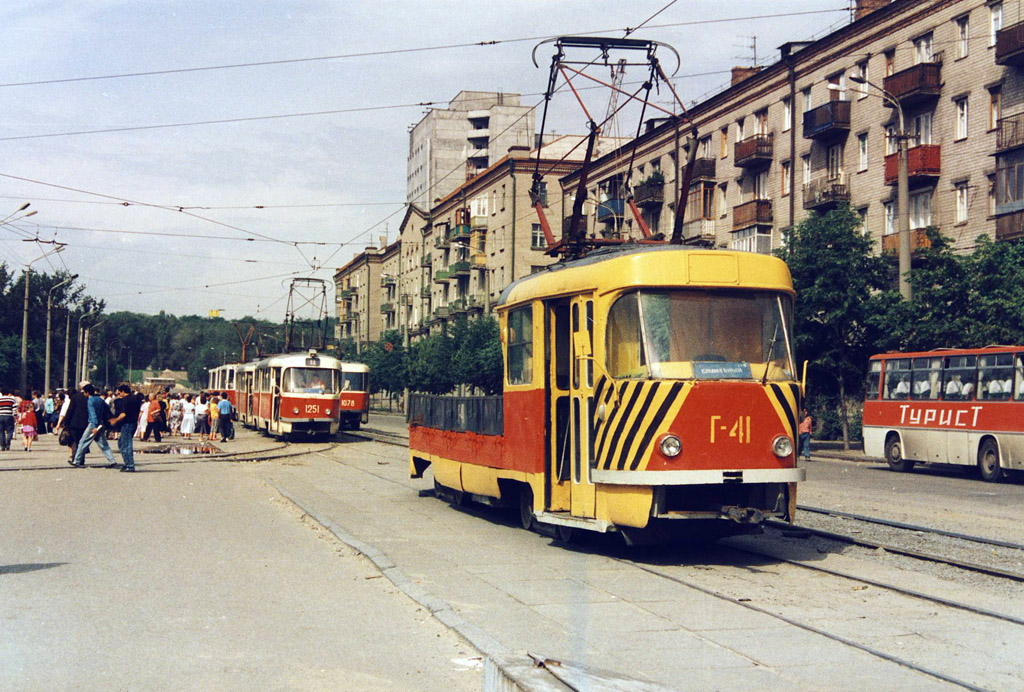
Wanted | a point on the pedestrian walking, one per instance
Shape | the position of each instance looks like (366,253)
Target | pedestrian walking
(99,416)
(202,417)
(74,417)
(50,411)
(188,417)
(174,414)
(7,404)
(27,423)
(39,408)
(154,418)
(806,426)
(127,405)
(224,408)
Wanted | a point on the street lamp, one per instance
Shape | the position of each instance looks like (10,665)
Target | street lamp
(902,185)
(79,363)
(24,317)
(49,309)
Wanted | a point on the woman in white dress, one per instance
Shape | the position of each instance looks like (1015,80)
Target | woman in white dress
(143,418)
(188,417)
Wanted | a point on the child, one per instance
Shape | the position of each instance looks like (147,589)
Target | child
(28,423)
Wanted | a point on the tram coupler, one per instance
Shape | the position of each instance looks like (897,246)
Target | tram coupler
(744,515)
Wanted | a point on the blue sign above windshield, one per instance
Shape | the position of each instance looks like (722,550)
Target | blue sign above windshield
(710,370)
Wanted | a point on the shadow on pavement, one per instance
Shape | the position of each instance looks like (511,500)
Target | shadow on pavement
(28,567)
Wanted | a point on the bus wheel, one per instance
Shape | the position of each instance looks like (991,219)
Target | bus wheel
(988,462)
(894,455)
(526,507)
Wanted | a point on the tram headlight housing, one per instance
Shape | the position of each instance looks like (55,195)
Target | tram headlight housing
(328,412)
(670,446)
(782,446)
(295,409)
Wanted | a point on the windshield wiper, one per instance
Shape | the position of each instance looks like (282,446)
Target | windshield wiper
(771,350)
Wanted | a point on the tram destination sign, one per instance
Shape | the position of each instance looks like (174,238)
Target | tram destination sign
(713,370)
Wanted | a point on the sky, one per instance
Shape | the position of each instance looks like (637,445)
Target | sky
(221,215)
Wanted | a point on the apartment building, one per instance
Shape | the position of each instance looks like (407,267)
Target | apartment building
(810,131)
(449,146)
(363,288)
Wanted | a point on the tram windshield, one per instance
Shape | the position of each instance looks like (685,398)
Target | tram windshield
(700,334)
(310,381)
(354,381)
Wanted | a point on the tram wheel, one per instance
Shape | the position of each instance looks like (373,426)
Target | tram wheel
(988,462)
(894,455)
(526,507)
(567,534)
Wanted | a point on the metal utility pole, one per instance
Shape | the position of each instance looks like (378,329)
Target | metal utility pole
(67,347)
(49,314)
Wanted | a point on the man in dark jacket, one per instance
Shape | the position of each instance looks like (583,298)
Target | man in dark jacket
(76,418)
(95,430)
(126,420)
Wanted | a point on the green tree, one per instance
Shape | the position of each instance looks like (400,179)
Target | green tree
(841,290)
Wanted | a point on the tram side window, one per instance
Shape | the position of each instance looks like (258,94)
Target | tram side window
(995,377)
(520,346)
(625,355)
(897,378)
(874,379)
(1018,392)
(926,381)
(960,376)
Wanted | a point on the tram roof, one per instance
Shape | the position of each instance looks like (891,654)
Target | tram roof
(636,266)
(941,352)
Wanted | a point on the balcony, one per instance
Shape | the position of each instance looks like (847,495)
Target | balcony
(387,281)
(459,268)
(442,312)
(923,164)
(916,84)
(649,194)
(426,261)
(753,152)
(699,230)
(610,210)
(703,169)
(1010,134)
(441,276)
(461,232)
(457,306)
(918,241)
(441,241)
(1010,45)
(756,212)
(387,307)
(1010,226)
(479,221)
(827,121)
(347,292)
(425,292)
(479,261)
(824,193)
(474,304)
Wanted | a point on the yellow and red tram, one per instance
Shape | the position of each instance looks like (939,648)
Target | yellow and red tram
(646,387)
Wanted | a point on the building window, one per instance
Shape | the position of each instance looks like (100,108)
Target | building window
(537,239)
(890,63)
(723,200)
(862,72)
(892,140)
(1009,182)
(723,137)
(991,195)
(787,114)
(961,202)
(808,102)
(740,131)
(995,13)
(862,151)
(805,163)
(922,125)
(837,87)
(786,170)
(761,122)
(761,185)
(961,118)
(995,107)
(921,210)
(963,36)
(890,218)
(923,49)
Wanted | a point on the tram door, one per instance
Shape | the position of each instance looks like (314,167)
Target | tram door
(582,413)
(275,399)
(558,370)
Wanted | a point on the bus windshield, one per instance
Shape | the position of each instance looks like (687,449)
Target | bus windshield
(309,381)
(701,334)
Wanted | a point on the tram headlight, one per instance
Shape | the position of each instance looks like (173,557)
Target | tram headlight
(670,446)
(295,409)
(328,412)
(782,446)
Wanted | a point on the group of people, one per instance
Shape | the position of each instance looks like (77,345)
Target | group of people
(84,416)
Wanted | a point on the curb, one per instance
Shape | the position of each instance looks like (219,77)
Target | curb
(503,670)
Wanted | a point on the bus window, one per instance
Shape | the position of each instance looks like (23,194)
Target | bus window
(960,378)
(926,380)
(897,378)
(874,379)
(1018,392)
(520,346)
(995,377)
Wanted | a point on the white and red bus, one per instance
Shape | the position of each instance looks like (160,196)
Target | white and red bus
(951,406)
(306,394)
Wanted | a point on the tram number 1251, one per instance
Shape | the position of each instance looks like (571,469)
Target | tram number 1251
(312,408)
(740,429)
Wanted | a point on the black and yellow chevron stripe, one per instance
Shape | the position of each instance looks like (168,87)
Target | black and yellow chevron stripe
(644,408)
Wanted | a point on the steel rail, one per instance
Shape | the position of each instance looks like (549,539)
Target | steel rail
(808,628)
(912,527)
(917,554)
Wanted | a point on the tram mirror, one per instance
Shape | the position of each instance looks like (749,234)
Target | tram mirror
(581,344)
